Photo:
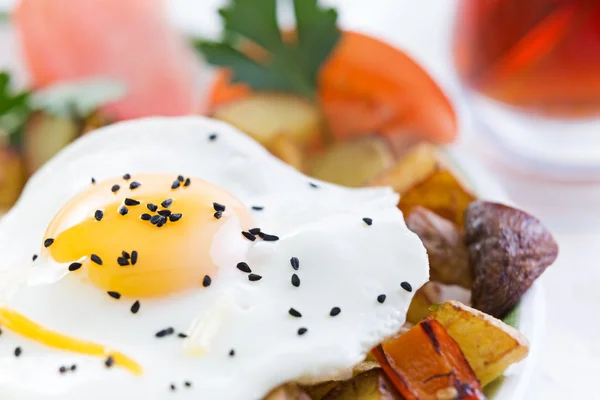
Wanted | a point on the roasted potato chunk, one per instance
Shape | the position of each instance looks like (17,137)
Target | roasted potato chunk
(289,391)
(508,250)
(448,255)
(12,176)
(424,298)
(489,344)
(369,385)
(44,136)
(285,148)
(414,167)
(353,163)
(264,116)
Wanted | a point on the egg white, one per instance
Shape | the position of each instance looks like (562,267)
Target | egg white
(343,263)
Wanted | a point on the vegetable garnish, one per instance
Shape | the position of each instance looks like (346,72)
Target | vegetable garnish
(277,64)
(14,108)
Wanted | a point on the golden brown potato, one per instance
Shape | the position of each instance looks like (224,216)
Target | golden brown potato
(508,250)
(414,167)
(289,391)
(352,163)
(264,116)
(12,177)
(369,385)
(489,344)
(448,255)
(424,298)
(285,148)
(318,391)
(44,136)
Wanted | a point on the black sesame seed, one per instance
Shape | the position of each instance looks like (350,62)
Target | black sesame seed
(74,266)
(114,295)
(115,188)
(212,137)
(123,210)
(218,214)
(98,215)
(180,178)
(175,217)
(187,384)
(18,351)
(257,208)
(35,256)
(295,263)
(145,217)
(206,281)
(175,184)
(125,255)
(164,213)
(161,222)
(368,221)
(313,185)
(135,307)
(96,259)
(155,219)
(268,238)
(48,242)
(242,266)
(295,280)
(406,286)
(134,257)
(254,231)
(187,182)
(218,207)
(381,298)
(131,202)
(62,369)
(173,387)
(254,277)
(93,181)
(167,203)
(302,331)
(109,362)
(152,207)
(231,353)
(294,313)
(248,236)
(164,332)
(182,335)
(127,177)
(335,311)
(122,261)
(134,185)
(73,367)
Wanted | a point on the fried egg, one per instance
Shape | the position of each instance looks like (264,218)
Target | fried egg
(175,258)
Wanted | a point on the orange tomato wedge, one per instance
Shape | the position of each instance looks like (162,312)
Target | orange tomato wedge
(426,363)
(367,86)
(130,41)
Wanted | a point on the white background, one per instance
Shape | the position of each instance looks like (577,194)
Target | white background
(570,359)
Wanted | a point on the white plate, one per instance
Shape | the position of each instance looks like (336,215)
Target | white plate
(531,317)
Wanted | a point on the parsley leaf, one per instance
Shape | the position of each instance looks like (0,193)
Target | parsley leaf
(14,109)
(289,67)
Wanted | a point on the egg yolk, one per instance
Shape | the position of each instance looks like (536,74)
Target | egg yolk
(149,234)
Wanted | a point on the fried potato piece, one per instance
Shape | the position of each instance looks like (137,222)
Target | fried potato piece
(508,250)
(369,385)
(424,298)
(287,150)
(353,163)
(264,116)
(12,176)
(423,179)
(414,167)
(448,255)
(44,136)
(289,391)
(489,344)
(320,390)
